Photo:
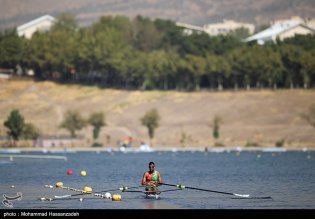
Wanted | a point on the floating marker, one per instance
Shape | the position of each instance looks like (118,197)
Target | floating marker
(108,195)
(83,173)
(59,184)
(46,199)
(116,197)
(70,172)
(12,186)
(87,189)
(81,199)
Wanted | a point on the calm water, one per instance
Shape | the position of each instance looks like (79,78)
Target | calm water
(287,177)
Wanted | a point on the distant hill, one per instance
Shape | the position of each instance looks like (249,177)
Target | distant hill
(264,117)
(16,12)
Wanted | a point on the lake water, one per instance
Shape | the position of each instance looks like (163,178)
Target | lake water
(288,177)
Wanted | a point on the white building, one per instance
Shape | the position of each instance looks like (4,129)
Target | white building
(215,29)
(189,28)
(282,29)
(226,27)
(43,23)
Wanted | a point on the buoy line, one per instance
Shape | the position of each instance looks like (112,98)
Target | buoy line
(86,191)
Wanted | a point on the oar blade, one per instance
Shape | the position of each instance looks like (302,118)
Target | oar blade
(241,195)
(62,196)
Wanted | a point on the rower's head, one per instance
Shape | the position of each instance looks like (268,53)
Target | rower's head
(151,166)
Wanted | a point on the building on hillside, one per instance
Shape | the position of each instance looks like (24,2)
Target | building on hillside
(215,29)
(283,29)
(189,28)
(43,23)
(6,73)
(226,27)
(58,141)
(310,23)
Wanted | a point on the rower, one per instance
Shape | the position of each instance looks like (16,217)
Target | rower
(151,179)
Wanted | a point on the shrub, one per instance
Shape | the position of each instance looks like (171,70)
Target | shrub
(96,144)
(280,143)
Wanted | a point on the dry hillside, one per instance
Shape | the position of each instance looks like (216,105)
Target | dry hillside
(256,116)
(17,12)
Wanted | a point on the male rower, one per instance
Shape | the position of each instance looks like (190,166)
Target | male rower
(151,179)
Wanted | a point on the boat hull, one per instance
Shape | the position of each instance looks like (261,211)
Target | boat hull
(152,195)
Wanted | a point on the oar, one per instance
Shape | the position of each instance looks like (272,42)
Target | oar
(205,190)
(123,189)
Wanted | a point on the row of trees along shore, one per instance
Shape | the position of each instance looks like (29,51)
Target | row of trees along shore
(140,53)
(18,129)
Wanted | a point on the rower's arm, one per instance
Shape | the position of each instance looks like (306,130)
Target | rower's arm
(144,181)
(160,179)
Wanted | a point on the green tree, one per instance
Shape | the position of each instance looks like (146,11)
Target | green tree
(97,120)
(73,122)
(309,116)
(308,68)
(217,120)
(67,22)
(218,70)
(15,125)
(145,36)
(11,48)
(151,121)
(240,33)
(291,56)
(196,66)
(30,131)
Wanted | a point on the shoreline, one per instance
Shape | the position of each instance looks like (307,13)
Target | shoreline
(155,149)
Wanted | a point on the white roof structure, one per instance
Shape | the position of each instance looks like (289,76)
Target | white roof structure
(42,23)
(278,28)
(227,26)
(190,28)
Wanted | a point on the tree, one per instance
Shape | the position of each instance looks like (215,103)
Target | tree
(218,70)
(67,22)
(97,120)
(196,66)
(30,131)
(240,33)
(310,115)
(217,120)
(145,36)
(11,48)
(307,62)
(73,122)
(15,124)
(151,121)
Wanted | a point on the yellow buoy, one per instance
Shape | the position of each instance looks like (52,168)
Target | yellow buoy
(59,184)
(83,173)
(87,189)
(116,197)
